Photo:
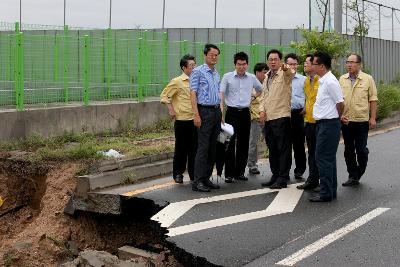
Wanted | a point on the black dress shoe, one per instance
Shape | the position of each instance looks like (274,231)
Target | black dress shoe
(278,186)
(351,182)
(178,178)
(319,199)
(211,185)
(228,180)
(242,178)
(298,177)
(307,186)
(200,187)
(269,183)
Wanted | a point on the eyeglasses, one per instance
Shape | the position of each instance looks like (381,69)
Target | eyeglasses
(351,62)
(273,59)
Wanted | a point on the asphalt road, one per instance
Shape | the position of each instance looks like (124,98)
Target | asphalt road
(242,225)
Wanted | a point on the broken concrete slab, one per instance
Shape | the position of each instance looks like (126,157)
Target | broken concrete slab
(128,252)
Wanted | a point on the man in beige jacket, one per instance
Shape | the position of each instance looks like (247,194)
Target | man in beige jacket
(176,95)
(275,111)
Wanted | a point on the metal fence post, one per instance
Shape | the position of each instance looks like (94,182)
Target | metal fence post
(86,70)
(19,72)
(140,70)
(66,63)
(146,63)
(109,65)
(222,58)
(165,46)
(184,47)
(56,57)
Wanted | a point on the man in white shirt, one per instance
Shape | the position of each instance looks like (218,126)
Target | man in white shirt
(327,111)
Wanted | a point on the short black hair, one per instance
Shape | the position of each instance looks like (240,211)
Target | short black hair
(260,67)
(324,59)
(274,51)
(311,56)
(208,47)
(359,59)
(292,56)
(240,56)
(185,60)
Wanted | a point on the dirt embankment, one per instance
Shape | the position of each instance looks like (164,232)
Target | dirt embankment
(34,231)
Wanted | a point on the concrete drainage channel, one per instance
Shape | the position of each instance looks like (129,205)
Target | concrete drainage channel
(99,194)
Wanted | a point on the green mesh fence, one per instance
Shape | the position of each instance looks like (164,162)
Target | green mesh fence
(61,66)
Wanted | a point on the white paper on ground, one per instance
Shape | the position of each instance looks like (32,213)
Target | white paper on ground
(112,153)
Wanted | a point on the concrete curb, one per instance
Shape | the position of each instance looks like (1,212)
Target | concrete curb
(124,175)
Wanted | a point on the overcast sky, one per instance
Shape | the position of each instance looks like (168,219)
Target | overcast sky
(179,13)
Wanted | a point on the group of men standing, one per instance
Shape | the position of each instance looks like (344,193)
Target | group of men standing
(289,107)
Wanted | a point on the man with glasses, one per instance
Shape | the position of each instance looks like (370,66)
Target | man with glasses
(297,117)
(327,110)
(275,112)
(359,116)
(236,89)
(310,92)
(176,95)
(205,98)
(260,69)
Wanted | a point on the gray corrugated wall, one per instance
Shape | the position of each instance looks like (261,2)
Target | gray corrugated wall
(382,57)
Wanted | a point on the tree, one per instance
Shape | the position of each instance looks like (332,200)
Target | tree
(359,15)
(332,43)
(323,8)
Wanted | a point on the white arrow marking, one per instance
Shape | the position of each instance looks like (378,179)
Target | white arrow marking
(284,202)
(323,242)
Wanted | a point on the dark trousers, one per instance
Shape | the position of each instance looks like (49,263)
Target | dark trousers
(355,136)
(207,141)
(220,157)
(278,139)
(311,138)
(238,147)
(298,136)
(328,135)
(185,147)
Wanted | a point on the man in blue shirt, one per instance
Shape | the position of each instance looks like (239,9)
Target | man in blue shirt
(205,99)
(236,89)
(297,117)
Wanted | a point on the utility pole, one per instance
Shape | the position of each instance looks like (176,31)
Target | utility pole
(163,15)
(338,12)
(346,15)
(20,15)
(215,14)
(392,24)
(309,15)
(109,19)
(379,9)
(65,5)
(264,14)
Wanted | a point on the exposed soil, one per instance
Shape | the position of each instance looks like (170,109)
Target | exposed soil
(34,231)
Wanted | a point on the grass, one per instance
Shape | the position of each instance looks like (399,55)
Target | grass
(85,146)
(388,100)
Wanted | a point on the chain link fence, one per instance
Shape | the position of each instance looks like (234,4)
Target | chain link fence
(50,67)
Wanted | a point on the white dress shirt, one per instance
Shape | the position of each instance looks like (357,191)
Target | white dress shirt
(329,94)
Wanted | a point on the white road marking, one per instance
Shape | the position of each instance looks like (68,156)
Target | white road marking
(323,242)
(174,211)
(284,202)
